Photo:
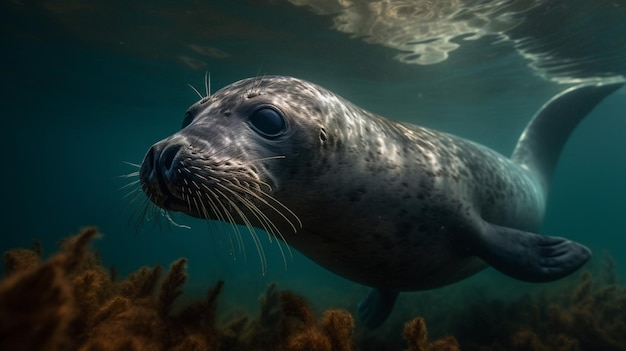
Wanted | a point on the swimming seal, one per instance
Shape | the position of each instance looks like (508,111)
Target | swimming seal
(387,204)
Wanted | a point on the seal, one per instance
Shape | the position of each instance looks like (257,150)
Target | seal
(386,204)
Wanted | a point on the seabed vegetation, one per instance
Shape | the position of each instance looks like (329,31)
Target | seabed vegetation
(71,302)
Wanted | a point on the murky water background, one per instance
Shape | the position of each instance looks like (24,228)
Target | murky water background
(87,85)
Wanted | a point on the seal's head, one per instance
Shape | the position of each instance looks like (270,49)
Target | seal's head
(222,164)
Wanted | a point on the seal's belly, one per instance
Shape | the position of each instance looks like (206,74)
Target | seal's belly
(410,261)
(386,241)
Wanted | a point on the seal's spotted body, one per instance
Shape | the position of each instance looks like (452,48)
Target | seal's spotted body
(383,203)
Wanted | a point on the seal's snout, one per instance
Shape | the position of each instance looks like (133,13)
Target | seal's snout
(160,163)
(159,172)
(166,160)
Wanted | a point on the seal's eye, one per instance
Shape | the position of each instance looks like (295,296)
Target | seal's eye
(268,122)
(187,120)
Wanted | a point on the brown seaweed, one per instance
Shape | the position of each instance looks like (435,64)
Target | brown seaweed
(416,335)
(71,302)
(589,314)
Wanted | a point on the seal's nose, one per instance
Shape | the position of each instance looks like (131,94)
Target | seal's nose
(166,159)
(159,166)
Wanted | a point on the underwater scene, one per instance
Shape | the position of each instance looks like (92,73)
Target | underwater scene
(126,124)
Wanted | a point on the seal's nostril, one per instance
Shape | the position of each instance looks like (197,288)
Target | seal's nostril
(167,156)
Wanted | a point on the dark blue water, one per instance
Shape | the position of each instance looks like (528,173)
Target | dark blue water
(86,86)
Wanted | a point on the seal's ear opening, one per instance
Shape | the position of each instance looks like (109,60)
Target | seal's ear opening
(268,122)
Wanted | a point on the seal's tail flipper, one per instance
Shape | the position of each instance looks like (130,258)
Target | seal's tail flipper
(527,256)
(541,142)
(376,306)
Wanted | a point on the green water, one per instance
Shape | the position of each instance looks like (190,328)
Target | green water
(88,85)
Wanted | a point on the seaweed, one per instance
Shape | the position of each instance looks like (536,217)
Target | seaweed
(113,273)
(71,302)
(416,335)
(20,260)
(171,287)
(37,304)
(339,326)
(589,314)
(285,322)
(36,309)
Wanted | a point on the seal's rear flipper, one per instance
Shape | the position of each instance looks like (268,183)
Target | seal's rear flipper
(376,306)
(530,257)
(539,146)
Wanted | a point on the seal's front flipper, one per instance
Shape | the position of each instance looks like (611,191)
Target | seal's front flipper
(530,257)
(376,306)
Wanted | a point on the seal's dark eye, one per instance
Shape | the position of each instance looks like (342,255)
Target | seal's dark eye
(268,122)
(187,120)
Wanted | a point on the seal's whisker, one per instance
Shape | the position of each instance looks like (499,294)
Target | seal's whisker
(264,159)
(255,89)
(135,192)
(134,218)
(213,227)
(217,212)
(241,248)
(138,193)
(196,90)
(250,227)
(130,175)
(257,78)
(207,83)
(268,226)
(136,189)
(241,241)
(141,214)
(221,218)
(265,194)
(211,223)
(188,200)
(232,222)
(243,176)
(255,237)
(132,164)
(286,209)
(154,214)
(248,191)
(273,199)
(134,182)
(269,83)
(195,202)
(264,221)
(205,154)
(249,205)
(238,235)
